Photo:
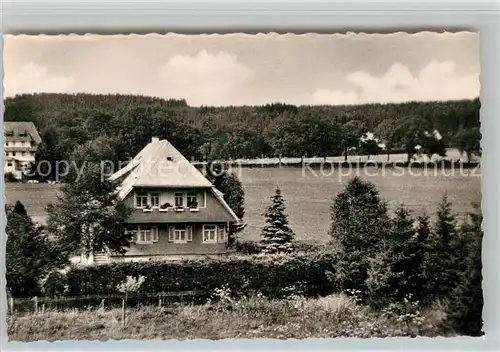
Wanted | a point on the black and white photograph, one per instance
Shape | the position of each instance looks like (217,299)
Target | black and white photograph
(242,186)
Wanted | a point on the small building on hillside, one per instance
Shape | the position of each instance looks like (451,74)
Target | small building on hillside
(177,212)
(21,141)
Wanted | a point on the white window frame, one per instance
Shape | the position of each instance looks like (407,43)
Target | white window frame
(173,230)
(180,235)
(141,194)
(150,234)
(212,230)
(183,199)
(157,197)
(192,195)
(143,233)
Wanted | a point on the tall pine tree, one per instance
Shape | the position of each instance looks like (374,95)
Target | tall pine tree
(420,256)
(444,267)
(277,237)
(394,271)
(403,252)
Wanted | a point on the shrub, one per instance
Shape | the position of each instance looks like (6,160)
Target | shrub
(30,255)
(248,273)
(247,247)
(309,246)
(54,285)
(130,284)
(9,177)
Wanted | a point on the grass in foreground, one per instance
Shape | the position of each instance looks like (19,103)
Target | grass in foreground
(255,317)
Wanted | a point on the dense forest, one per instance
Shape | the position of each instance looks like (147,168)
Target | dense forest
(124,124)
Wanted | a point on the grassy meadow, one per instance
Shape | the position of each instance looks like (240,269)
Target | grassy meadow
(254,317)
(309,195)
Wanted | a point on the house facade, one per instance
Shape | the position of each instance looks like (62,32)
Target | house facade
(177,212)
(21,141)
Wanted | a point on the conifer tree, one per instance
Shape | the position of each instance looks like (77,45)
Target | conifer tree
(360,228)
(277,237)
(20,209)
(403,251)
(465,311)
(393,271)
(423,228)
(420,256)
(444,253)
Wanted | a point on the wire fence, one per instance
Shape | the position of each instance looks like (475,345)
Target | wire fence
(40,304)
(161,299)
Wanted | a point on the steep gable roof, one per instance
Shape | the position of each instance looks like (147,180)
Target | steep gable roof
(220,196)
(159,164)
(18,128)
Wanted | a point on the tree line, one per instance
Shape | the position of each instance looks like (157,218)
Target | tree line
(124,124)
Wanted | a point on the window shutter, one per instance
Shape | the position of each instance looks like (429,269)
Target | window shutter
(171,233)
(189,230)
(154,233)
(221,233)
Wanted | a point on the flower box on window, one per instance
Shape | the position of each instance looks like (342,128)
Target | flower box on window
(193,206)
(179,209)
(165,206)
(147,209)
(163,210)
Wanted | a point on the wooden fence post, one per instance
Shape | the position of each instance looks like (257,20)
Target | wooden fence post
(36,304)
(43,308)
(123,311)
(11,304)
(159,301)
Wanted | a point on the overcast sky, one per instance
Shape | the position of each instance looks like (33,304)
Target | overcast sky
(249,69)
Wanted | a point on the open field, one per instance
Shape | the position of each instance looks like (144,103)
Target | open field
(309,194)
(254,317)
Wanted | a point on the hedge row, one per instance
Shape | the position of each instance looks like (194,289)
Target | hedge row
(239,273)
(253,247)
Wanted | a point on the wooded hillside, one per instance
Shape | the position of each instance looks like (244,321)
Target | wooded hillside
(123,124)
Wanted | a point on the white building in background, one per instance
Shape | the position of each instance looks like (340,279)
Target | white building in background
(21,141)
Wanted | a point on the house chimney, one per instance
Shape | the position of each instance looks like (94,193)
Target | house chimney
(155,139)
